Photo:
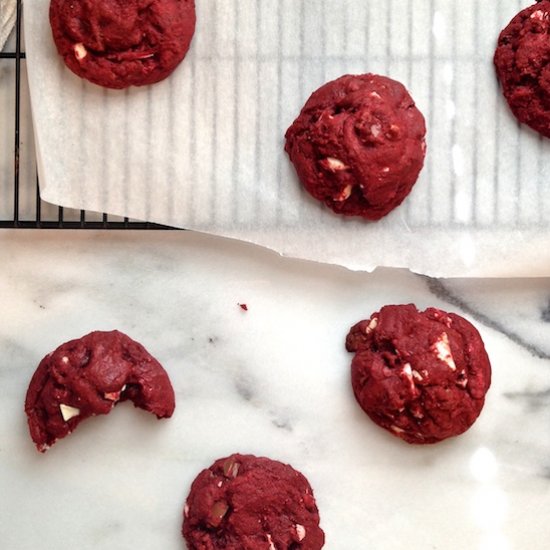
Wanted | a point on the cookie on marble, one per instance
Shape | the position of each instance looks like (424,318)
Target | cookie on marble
(522,61)
(358,145)
(116,43)
(89,376)
(253,503)
(421,375)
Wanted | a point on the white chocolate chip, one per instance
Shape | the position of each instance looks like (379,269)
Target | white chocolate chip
(464,381)
(396,429)
(186,510)
(220,483)
(80,51)
(336,165)
(300,531)
(114,395)
(408,372)
(271,545)
(375,130)
(417,375)
(440,316)
(234,470)
(375,94)
(68,412)
(344,194)
(442,350)
(539,15)
(65,359)
(372,325)
(386,169)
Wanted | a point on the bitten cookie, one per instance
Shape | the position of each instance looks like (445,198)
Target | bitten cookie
(244,502)
(89,376)
(422,376)
(121,43)
(358,145)
(522,61)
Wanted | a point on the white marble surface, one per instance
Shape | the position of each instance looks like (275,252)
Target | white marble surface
(272,381)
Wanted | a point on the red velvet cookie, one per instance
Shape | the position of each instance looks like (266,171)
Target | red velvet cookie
(89,376)
(522,61)
(244,502)
(358,145)
(121,43)
(422,376)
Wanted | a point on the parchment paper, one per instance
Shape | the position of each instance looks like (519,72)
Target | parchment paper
(203,150)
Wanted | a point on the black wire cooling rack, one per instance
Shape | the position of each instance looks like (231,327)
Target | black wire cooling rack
(24,183)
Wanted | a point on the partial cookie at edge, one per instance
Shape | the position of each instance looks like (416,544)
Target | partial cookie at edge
(253,503)
(134,44)
(522,62)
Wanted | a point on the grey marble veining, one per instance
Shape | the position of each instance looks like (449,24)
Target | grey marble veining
(274,381)
(518,308)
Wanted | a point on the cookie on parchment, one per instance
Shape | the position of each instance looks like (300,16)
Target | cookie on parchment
(244,502)
(88,377)
(121,43)
(522,61)
(358,145)
(421,375)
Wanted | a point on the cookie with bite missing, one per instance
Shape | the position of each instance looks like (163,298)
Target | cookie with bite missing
(88,377)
